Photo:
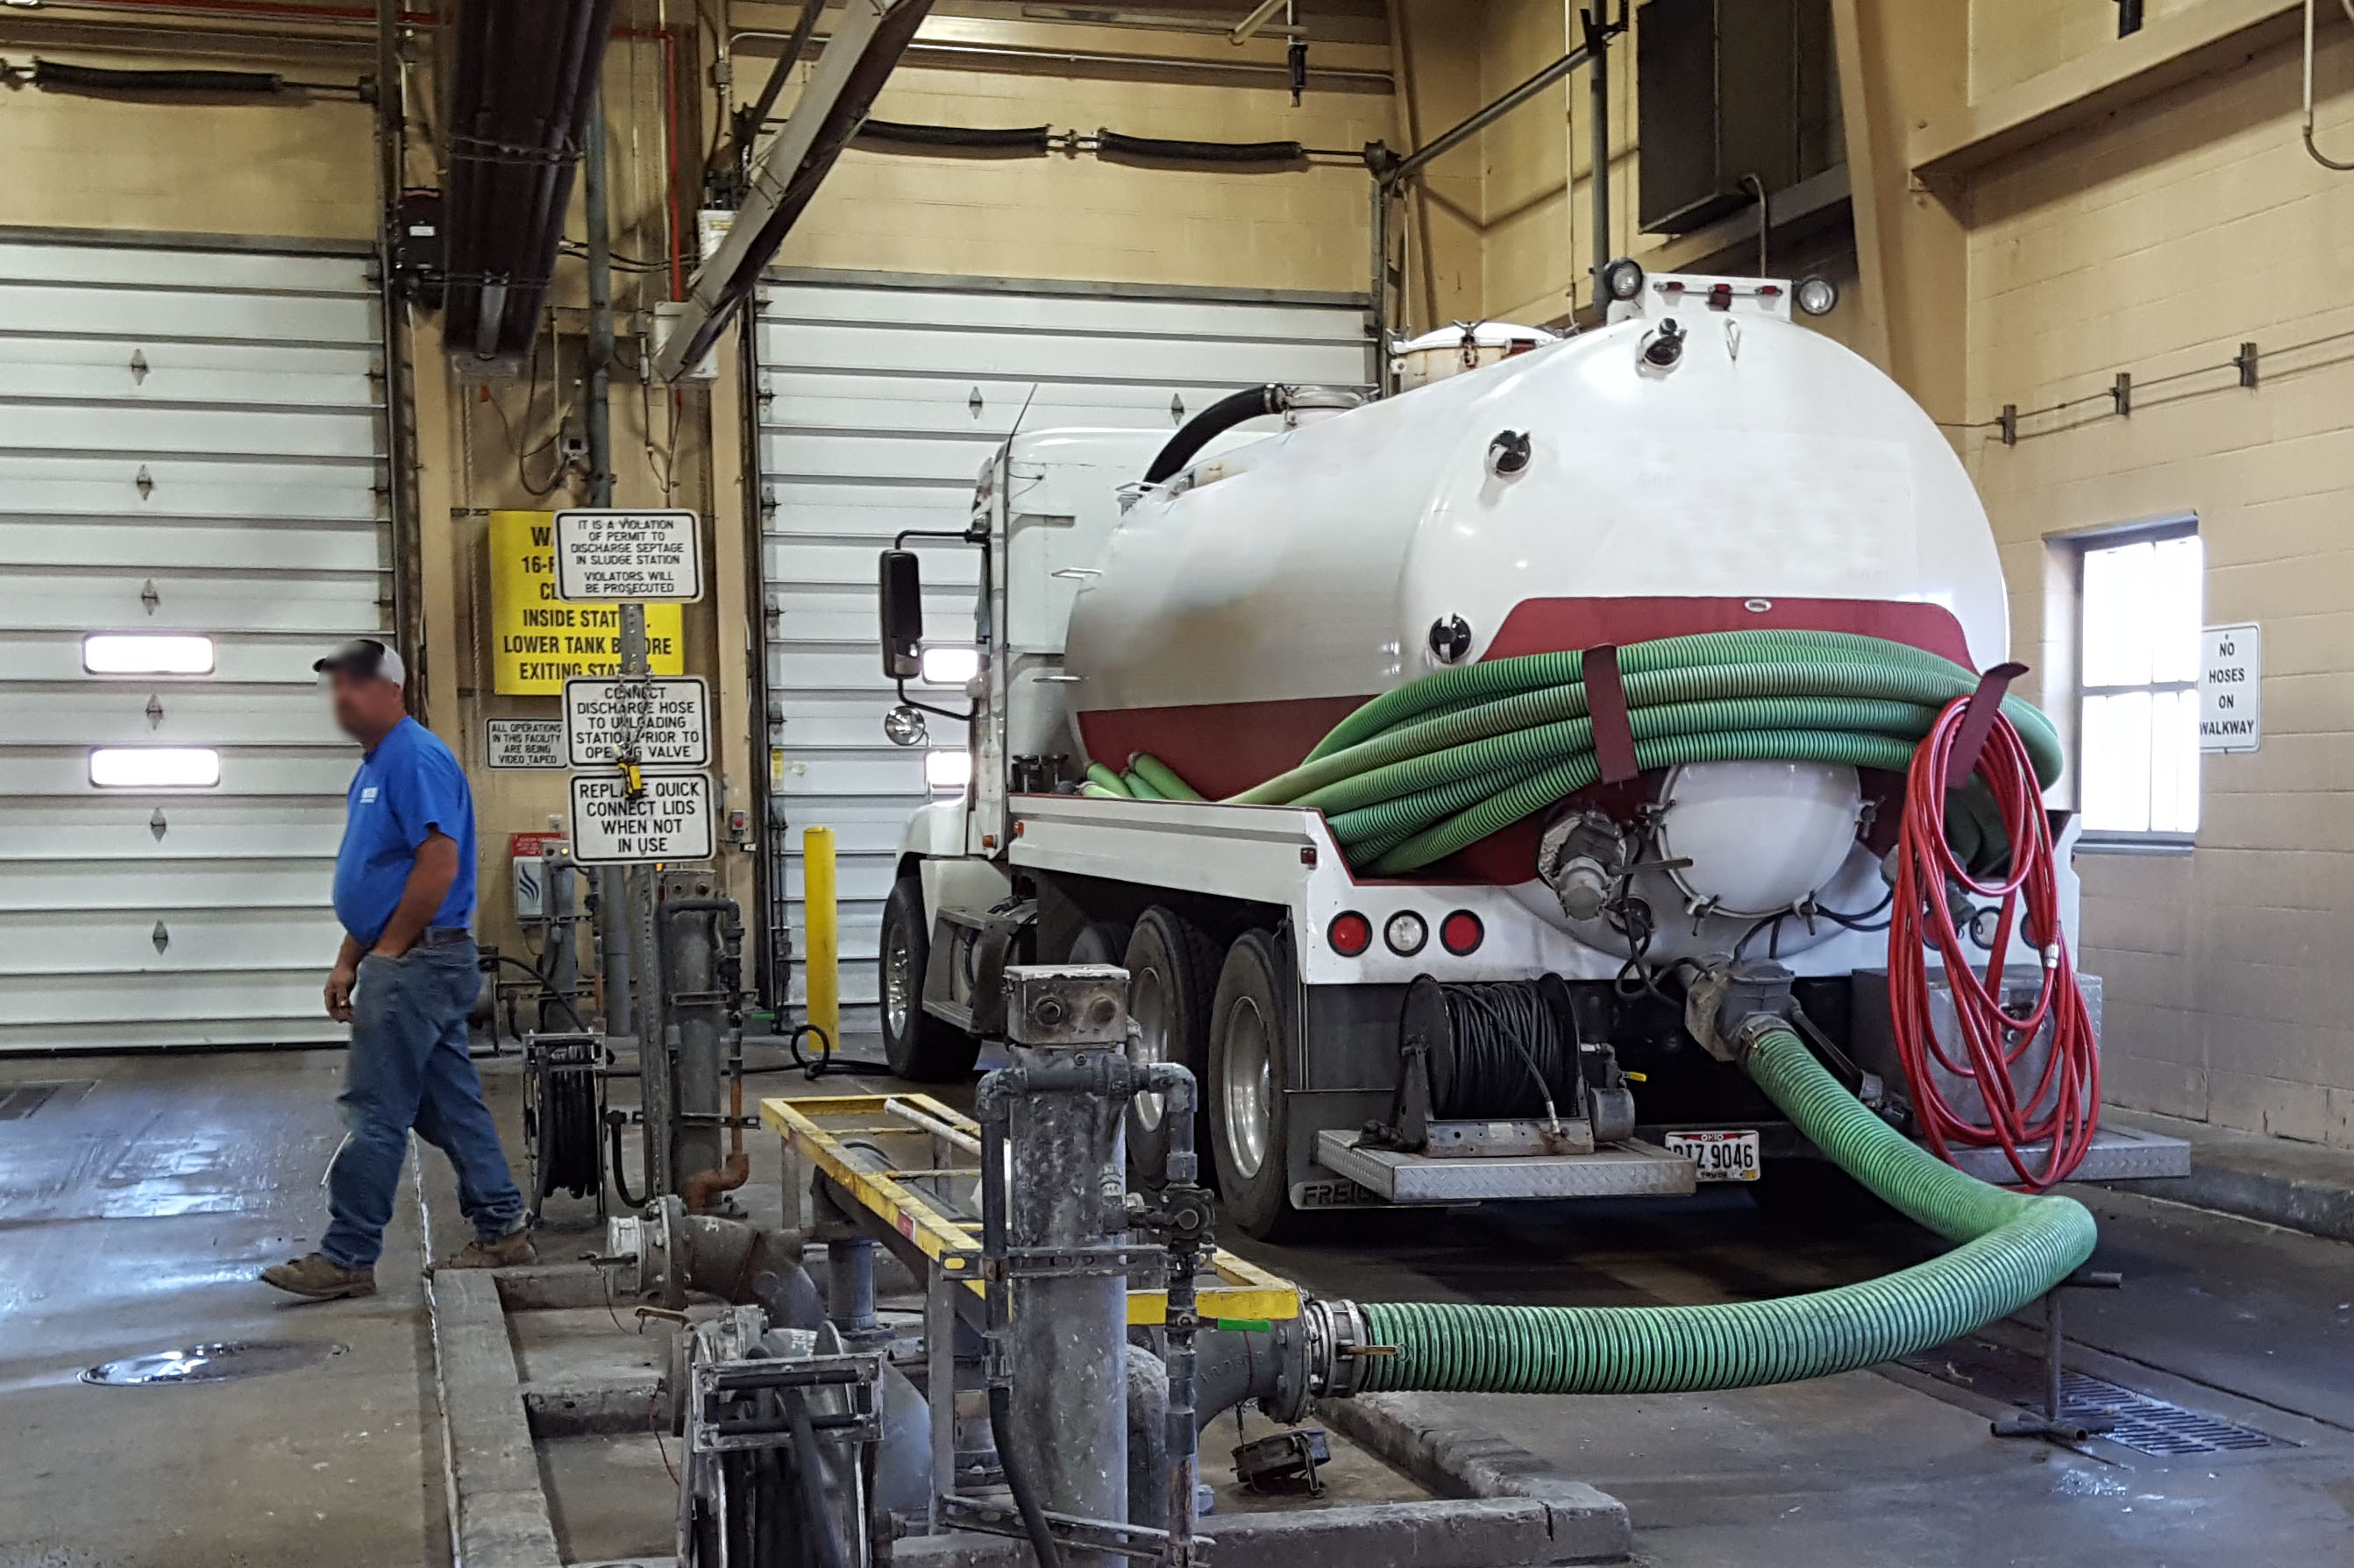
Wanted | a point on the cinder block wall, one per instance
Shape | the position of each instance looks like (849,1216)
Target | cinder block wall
(2156,245)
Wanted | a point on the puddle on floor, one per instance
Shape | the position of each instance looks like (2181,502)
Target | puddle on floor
(216,1362)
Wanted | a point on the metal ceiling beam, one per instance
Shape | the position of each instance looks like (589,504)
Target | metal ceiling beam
(866,45)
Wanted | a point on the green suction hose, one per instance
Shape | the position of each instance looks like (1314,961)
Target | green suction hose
(2013,1249)
(1438,764)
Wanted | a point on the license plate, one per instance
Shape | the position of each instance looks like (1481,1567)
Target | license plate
(1718,1156)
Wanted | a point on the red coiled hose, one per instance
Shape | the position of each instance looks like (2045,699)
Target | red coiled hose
(2063,1110)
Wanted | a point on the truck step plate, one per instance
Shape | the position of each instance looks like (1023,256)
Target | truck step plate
(1633,1169)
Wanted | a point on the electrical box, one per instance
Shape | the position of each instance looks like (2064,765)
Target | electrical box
(527,854)
(418,247)
(1730,95)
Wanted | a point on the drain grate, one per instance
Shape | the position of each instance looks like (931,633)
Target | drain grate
(18,1101)
(2145,1424)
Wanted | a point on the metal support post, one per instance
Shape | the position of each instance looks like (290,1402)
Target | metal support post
(819,913)
(2050,1424)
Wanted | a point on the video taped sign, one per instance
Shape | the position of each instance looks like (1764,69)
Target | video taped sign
(669,819)
(656,722)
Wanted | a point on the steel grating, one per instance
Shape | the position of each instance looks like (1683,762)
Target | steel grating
(2141,1422)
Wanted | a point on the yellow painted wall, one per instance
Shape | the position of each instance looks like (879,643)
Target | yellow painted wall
(2156,245)
(1088,217)
(2012,41)
(290,170)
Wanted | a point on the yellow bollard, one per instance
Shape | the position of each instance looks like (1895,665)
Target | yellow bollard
(823,961)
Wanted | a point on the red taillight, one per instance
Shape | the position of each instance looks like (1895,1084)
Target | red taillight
(1349,933)
(1461,933)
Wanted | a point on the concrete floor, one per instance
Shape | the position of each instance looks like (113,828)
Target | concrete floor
(132,1215)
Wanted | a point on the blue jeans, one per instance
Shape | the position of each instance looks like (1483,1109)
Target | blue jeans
(409,1067)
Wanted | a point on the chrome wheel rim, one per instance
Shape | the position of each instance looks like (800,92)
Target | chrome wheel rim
(1248,1087)
(1148,1005)
(898,981)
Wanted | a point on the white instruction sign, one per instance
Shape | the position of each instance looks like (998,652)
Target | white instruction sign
(670,819)
(525,742)
(628,557)
(654,721)
(2231,688)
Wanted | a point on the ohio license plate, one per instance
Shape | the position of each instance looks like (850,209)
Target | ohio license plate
(1718,1156)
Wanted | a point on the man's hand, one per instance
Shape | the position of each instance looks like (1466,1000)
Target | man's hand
(340,982)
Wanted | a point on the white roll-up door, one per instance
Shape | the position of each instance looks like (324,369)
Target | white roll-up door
(881,396)
(191,451)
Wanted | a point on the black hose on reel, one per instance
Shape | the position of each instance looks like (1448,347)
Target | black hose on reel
(1496,1051)
(568,1157)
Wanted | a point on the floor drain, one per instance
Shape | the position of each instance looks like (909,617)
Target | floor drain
(212,1363)
(18,1101)
(2145,1424)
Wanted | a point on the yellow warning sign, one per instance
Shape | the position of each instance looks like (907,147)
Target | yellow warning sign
(537,639)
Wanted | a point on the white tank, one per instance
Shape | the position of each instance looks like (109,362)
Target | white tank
(1734,471)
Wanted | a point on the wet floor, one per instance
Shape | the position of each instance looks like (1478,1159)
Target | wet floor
(133,1210)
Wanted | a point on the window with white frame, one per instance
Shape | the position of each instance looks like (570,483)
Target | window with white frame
(2138,735)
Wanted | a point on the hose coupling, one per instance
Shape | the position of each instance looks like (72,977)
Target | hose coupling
(1730,1003)
(1337,1346)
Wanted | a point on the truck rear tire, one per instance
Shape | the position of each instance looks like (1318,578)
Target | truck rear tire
(1172,978)
(919,1047)
(1098,942)
(1254,1028)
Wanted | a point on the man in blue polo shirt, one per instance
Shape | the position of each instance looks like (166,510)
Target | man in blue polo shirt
(405,982)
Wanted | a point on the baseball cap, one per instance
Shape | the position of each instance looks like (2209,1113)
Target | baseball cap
(365,656)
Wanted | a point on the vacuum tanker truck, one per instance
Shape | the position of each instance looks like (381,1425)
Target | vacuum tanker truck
(1431,761)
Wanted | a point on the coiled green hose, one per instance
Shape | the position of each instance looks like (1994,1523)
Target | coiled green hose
(2013,1249)
(1438,764)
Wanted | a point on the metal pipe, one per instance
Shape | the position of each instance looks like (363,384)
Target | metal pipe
(1148,1439)
(407,554)
(1381,292)
(694,931)
(850,1285)
(985,54)
(933,1125)
(598,414)
(1480,120)
(1597,87)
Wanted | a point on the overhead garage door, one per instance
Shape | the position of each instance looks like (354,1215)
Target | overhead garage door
(191,451)
(881,396)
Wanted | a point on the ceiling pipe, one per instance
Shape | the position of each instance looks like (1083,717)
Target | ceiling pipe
(522,81)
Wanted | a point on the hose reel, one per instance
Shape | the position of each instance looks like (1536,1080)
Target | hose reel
(564,1116)
(1500,1069)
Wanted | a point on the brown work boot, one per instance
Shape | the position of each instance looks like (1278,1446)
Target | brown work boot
(510,1251)
(320,1277)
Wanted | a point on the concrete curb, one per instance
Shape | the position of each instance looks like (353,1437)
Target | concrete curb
(1587,1525)
(2297,1186)
(1475,1532)
(498,1512)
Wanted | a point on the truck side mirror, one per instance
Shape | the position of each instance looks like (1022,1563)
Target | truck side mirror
(902,614)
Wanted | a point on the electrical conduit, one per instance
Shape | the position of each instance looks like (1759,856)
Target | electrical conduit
(2013,1248)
